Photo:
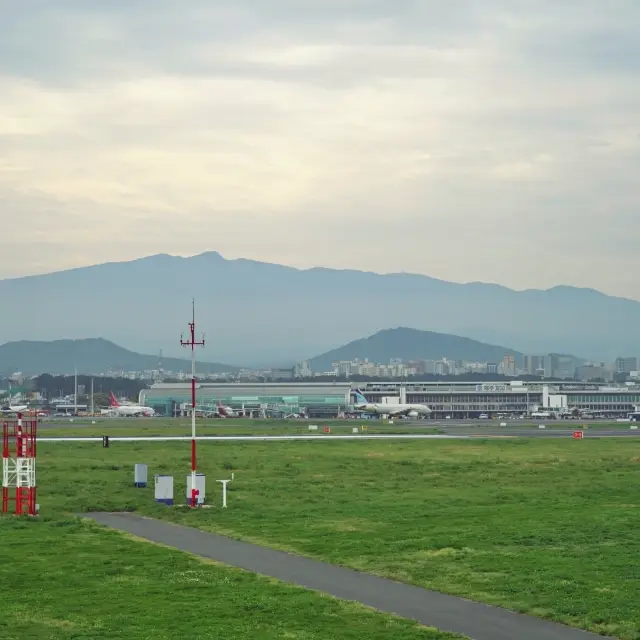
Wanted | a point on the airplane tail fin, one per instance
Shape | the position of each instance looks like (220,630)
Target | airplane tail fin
(113,402)
(360,399)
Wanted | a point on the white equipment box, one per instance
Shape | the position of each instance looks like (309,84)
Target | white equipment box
(164,489)
(200,486)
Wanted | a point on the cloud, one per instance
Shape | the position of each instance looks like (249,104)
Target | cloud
(492,140)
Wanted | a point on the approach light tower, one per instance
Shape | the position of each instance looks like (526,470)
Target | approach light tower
(19,466)
(193,344)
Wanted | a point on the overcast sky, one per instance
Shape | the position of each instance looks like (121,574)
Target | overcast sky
(493,140)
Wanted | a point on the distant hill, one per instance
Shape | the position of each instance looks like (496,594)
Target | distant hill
(92,355)
(257,313)
(413,344)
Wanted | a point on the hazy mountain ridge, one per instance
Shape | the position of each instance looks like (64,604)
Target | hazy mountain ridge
(260,313)
(90,355)
(413,344)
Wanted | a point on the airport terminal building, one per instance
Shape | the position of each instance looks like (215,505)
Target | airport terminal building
(470,399)
(454,399)
(322,400)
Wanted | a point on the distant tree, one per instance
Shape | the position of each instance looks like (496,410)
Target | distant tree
(101,399)
(53,386)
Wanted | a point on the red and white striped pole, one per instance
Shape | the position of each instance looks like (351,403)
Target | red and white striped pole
(20,453)
(192,343)
(194,492)
(5,467)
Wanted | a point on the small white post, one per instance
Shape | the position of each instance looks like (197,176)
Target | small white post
(224,492)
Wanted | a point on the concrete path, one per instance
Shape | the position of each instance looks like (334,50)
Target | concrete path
(447,613)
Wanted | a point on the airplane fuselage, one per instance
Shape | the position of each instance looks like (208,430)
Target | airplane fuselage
(16,409)
(393,409)
(132,410)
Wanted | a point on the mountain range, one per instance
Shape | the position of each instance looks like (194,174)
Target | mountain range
(96,355)
(93,355)
(262,314)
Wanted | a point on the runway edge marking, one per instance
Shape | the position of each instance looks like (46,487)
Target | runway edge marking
(327,438)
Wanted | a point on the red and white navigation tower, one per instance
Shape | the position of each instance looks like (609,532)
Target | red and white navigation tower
(193,344)
(19,466)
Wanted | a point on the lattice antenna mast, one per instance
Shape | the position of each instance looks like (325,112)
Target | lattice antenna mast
(191,342)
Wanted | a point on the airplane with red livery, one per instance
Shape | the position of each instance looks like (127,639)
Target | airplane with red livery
(130,410)
(226,412)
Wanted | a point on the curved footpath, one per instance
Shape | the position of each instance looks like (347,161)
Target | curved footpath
(447,613)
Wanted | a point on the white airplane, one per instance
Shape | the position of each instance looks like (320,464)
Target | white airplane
(411,410)
(11,408)
(14,408)
(226,412)
(135,410)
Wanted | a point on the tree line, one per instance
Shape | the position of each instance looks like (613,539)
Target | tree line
(52,387)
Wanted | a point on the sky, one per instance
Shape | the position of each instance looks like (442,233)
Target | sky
(488,140)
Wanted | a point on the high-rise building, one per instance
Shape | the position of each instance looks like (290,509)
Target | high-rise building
(430,367)
(626,365)
(509,365)
(417,366)
(302,370)
(559,366)
(591,372)
(534,365)
(443,367)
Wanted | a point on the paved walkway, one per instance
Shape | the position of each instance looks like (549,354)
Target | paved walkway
(447,613)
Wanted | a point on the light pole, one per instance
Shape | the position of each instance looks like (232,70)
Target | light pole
(192,343)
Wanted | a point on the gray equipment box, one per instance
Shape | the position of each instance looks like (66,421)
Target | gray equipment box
(200,485)
(164,489)
(140,475)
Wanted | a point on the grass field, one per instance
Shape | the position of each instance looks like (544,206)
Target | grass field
(66,579)
(548,527)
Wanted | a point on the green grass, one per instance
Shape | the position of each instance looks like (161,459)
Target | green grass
(547,527)
(68,579)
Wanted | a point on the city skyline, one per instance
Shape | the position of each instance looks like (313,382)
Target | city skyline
(549,366)
(275,131)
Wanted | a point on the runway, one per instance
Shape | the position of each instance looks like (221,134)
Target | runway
(321,438)
(537,432)
(453,432)
(82,423)
(447,613)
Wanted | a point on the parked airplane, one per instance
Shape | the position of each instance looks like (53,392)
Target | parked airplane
(11,408)
(226,412)
(134,410)
(411,410)
(14,409)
